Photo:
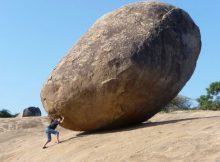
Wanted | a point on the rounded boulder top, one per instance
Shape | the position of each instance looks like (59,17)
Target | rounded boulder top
(130,64)
(31,111)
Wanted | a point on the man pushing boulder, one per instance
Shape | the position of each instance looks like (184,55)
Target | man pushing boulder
(51,130)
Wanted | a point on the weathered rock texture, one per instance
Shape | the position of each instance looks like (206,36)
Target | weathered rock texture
(129,64)
(31,111)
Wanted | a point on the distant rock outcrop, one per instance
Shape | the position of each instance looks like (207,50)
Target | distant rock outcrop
(31,111)
(131,63)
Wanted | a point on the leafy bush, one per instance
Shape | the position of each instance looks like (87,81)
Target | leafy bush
(6,114)
(210,101)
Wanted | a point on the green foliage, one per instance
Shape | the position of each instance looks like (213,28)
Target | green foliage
(210,101)
(214,89)
(178,103)
(6,114)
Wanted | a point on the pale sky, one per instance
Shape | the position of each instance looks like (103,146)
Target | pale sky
(35,35)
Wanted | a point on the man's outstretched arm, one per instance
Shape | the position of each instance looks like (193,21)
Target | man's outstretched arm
(62,119)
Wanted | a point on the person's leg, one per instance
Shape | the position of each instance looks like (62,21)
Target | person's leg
(56,133)
(48,139)
(46,143)
(58,141)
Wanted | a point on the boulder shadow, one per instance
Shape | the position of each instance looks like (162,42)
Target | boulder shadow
(137,126)
(69,139)
(131,127)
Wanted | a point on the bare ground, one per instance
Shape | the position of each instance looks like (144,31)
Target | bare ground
(184,136)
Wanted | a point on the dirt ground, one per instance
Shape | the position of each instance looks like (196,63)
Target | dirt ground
(183,136)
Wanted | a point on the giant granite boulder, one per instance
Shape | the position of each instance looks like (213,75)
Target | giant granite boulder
(131,63)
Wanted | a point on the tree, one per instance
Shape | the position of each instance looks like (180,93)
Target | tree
(210,101)
(181,102)
(178,103)
(4,113)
